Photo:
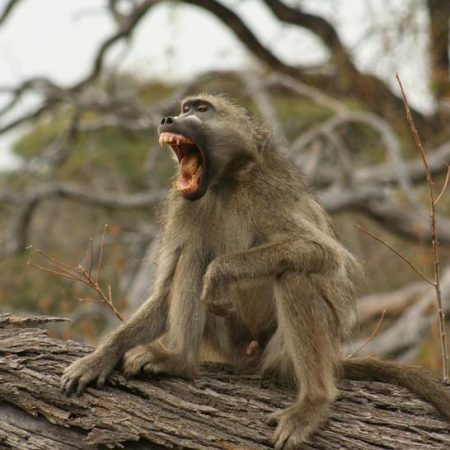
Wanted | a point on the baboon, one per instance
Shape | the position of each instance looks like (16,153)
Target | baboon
(249,266)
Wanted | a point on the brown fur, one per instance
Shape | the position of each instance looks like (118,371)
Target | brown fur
(254,259)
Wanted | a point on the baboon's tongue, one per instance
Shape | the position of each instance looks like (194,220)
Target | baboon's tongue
(190,171)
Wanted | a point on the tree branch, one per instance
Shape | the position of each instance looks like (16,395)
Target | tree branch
(222,409)
(7,10)
(350,81)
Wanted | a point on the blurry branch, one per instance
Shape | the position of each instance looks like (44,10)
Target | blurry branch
(345,116)
(88,276)
(410,313)
(28,116)
(344,159)
(394,302)
(54,94)
(7,10)
(305,90)
(383,174)
(57,152)
(25,204)
(257,91)
(127,24)
(317,25)
(368,88)
(106,199)
(406,334)
(231,20)
(412,223)
(438,160)
(36,84)
(409,222)
(393,172)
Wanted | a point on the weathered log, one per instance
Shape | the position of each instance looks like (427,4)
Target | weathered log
(220,410)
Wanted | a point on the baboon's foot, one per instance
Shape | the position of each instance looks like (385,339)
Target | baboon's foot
(297,423)
(154,359)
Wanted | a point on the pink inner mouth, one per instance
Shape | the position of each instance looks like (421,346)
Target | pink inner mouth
(189,158)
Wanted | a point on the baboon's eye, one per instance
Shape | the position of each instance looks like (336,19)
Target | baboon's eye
(202,108)
(186,108)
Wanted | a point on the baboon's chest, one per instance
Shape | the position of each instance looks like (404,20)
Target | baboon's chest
(220,228)
(226,233)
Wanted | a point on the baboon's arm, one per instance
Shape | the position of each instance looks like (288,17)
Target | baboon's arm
(146,324)
(298,254)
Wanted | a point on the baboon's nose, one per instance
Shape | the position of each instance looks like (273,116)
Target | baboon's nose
(166,120)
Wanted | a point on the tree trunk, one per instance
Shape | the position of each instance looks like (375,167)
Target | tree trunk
(220,410)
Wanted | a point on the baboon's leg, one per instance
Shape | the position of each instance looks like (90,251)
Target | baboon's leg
(177,352)
(304,347)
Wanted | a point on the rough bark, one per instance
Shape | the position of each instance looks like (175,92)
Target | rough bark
(220,410)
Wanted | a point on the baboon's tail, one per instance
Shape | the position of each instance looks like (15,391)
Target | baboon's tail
(415,378)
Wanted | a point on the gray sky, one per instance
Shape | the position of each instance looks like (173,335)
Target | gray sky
(58,39)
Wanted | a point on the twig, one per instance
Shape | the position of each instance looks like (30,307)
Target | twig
(443,187)
(54,272)
(100,254)
(59,263)
(80,274)
(91,255)
(89,300)
(105,298)
(374,332)
(399,254)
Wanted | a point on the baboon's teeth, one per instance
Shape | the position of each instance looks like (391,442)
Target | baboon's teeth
(172,138)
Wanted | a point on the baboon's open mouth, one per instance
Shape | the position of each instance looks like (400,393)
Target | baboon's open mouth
(190,160)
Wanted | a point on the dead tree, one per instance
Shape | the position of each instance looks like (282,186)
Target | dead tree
(220,410)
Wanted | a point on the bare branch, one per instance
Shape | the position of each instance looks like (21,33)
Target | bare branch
(345,116)
(316,24)
(128,25)
(394,302)
(399,254)
(100,255)
(7,10)
(410,328)
(256,89)
(80,274)
(374,332)
(444,187)
(411,223)
(28,202)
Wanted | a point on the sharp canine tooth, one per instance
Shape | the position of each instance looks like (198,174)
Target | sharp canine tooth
(172,138)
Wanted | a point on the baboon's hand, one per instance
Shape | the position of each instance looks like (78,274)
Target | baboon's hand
(216,290)
(95,366)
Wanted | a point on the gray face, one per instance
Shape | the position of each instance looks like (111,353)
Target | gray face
(211,140)
(187,134)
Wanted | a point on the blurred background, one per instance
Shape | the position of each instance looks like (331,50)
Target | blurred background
(84,84)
